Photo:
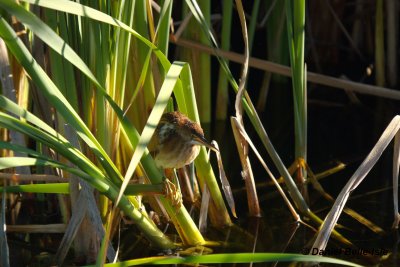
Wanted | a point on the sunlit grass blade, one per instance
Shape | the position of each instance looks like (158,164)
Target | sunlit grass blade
(232,258)
(58,188)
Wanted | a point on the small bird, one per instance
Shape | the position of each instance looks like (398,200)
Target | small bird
(177,141)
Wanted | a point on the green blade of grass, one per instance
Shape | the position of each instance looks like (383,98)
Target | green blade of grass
(295,25)
(233,258)
(222,93)
(50,188)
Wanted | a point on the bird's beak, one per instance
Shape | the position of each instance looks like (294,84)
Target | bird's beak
(200,140)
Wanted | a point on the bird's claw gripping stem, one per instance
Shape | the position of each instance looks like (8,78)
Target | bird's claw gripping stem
(172,193)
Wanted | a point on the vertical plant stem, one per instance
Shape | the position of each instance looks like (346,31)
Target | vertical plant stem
(277,51)
(247,173)
(296,32)
(163,28)
(204,91)
(253,22)
(392,27)
(379,45)
(200,62)
(222,94)
(241,143)
(300,97)
(148,91)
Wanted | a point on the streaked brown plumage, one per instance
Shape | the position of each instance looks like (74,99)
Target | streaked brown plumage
(177,141)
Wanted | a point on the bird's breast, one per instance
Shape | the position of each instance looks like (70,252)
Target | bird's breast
(176,157)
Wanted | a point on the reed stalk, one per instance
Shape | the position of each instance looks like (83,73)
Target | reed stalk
(222,90)
(295,15)
(200,62)
(379,45)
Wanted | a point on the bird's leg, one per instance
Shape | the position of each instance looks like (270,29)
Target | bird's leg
(170,190)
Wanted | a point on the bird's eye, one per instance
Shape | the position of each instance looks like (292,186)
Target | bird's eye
(194,132)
